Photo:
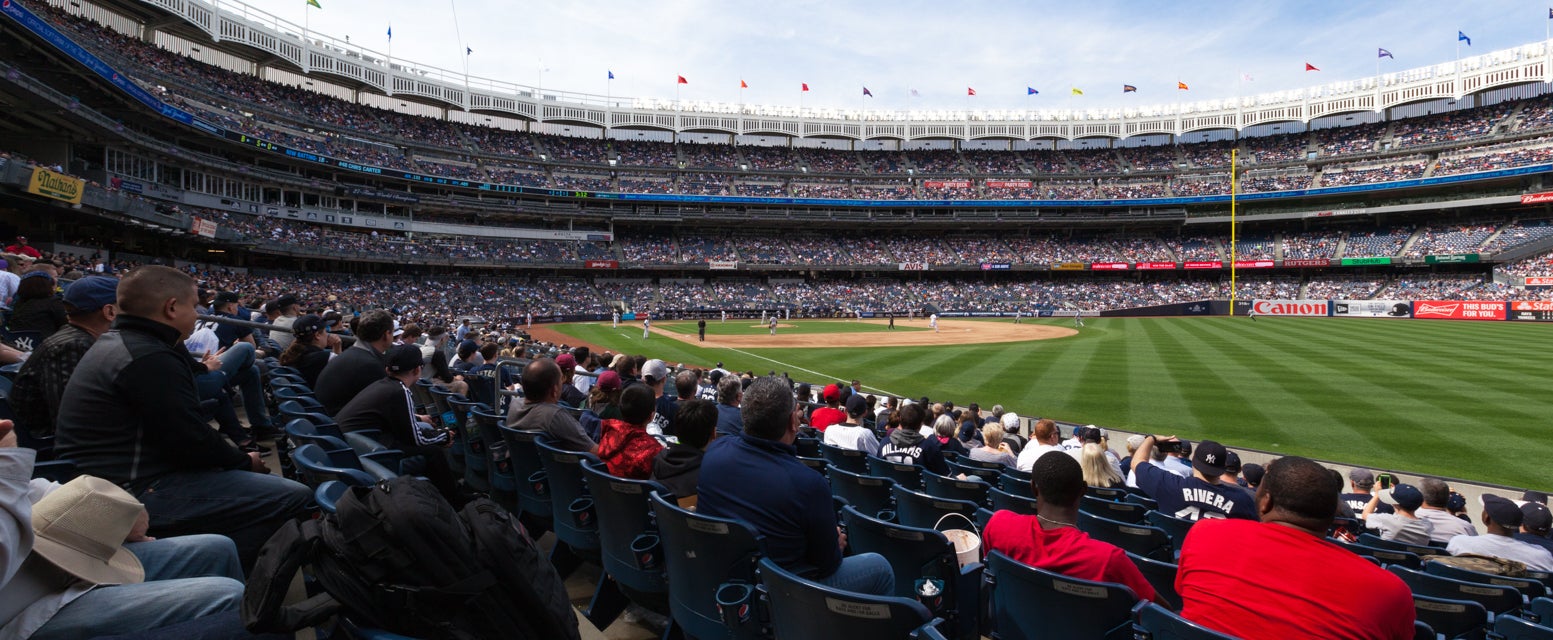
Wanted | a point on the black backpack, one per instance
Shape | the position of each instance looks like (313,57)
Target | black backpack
(397,557)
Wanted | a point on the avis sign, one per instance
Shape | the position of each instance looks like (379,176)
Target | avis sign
(1458,310)
(1289,308)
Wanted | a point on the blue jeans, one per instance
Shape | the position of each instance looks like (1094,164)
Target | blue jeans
(238,365)
(245,506)
(212,386)
(187,578)
(863,573)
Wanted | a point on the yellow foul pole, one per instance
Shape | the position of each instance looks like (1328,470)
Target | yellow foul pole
(1234,190)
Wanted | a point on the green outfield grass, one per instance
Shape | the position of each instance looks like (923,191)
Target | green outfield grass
(1461,399)
(749,327)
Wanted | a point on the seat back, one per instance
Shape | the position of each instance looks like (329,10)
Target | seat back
(920,510)
(572,510)
(420,394)
(484,427)
(869,494)
(1016,482)
(917,554)
(1540,611)
(443,411)
(807,447)
(315,468)
(1372,540)
(533,485)
(1450,618)
(1158,623)
(905,475)
(1005,501)
(628,537)
(849,459)
(1498,600)
(809,610)
(1528,587)
(955,488)
(963,466)
(1142,539)
(1383,556)
(1513,628)
(1106,493)
(702,555)
(1175,528)
(1111,510)
(1029,603)
(1162,576)
(1138,498)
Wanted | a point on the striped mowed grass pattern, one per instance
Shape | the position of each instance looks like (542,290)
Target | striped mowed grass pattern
(1460,399)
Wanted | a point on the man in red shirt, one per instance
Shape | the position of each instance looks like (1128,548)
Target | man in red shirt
(1279,578)
(21,248)
(831,413)
(1052,541)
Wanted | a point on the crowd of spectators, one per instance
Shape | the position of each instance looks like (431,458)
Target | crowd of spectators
(1443,239)
(1449,127)
(1343,287)
(1376,243)
(1370,172)
(1518,233)
(1310,245)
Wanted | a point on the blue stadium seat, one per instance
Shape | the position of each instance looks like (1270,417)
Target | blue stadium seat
(477,456)
(1372,540)
(1451,618)
(462,408)
(533,485)
(1005,501)
(920,510)
(1137,498)
(380,463)
(1513,628)
(1016,482)
(1128,512)
(869,494)
(290,371)
(1423,631)
(916,554)
(1106,493)
(1540,611)
(1030,604)
(1498,600)
(1175,528)
(903,475)
(420,395)
(443,414)
(1529,588)
(484,426)
(1158,623)
(1142,539)
(1384,556)
(971,467)
(848,459)
(817,464)
(807,447)
(572,511)
(306,400)
(1161,576)
(938,486)
(709,560)
(315,468)
(328,494)
(630,547)
(812,611)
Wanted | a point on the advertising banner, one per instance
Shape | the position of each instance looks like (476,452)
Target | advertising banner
(1289,307)
(1107,266)
(1204,264)
(1155,266)
(1452,258)
(1372,308)
(1539,281)
(602,264)
(1253,264)
(950,184)
(56,185)
(1531,310)
(721,265)
(1363,262)
(1459,310)
(1537,198)
(1068,266)
(996,266)
(203,227)
(1009,184)
(913,266)
(1308,262)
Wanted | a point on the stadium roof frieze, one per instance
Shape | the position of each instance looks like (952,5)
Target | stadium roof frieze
(237,23)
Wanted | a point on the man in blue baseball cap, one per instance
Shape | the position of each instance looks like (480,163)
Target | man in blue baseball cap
(89,312)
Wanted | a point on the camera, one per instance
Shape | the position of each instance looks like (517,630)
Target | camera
(1385,480)
(1169,446)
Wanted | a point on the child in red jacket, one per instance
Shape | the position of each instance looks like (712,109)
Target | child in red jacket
(624,444)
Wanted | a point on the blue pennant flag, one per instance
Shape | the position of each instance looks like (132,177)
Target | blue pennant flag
(1386,54)
(1030,91)
(390,32)
(1462,36)
(868,93)
(468,51)
(611,75)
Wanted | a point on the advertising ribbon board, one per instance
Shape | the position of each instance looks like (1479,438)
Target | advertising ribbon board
(1537,198)
(1204,264)
(996,266)
(602,264)
(1372,308)
(1155,266)
(1009,184)
(1290,307)
(1068,266)
(1253,264)
(1365,262)
(54,185)
(913,266)
(946,184)
(1459,310)
(1308,262)
(1531,310)
(722,265)
(1107,266)
(204,228)
(1539,281)
(1453,258)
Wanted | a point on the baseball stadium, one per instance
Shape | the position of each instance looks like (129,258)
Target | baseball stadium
(1039,342)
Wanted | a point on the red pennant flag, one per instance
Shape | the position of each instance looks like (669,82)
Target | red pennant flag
(682,80)
(1310,67)
(969,91)
(805,86)
(1181,85)
(742,85)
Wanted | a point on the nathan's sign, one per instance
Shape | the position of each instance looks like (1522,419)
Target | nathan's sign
(1537,198)
(1289,307)
(1458,310)
(56,185)
(1009,184)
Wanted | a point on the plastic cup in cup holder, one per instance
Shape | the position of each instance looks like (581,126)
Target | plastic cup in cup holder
(582,513)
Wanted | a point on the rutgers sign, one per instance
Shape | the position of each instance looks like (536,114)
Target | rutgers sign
(1289,307)
(1458,310)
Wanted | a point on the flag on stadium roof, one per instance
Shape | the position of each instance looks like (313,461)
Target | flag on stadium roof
(1460,36)
(1310,67)
(314,4)
(1077,91)
(969,91)
(1181,86)
(914,94)
(682,80)
(868,93)
(611,75)
(1550,13)
(805,86)
(468,51)
(1386,54)
(390,32)
(742,83)
(1127,88)
(1030,91)
(1247,77)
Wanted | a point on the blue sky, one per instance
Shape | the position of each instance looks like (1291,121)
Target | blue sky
(939,48)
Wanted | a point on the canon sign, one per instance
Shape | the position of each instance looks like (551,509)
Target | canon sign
(1289,307)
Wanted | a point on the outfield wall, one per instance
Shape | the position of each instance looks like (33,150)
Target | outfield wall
(1478,310)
